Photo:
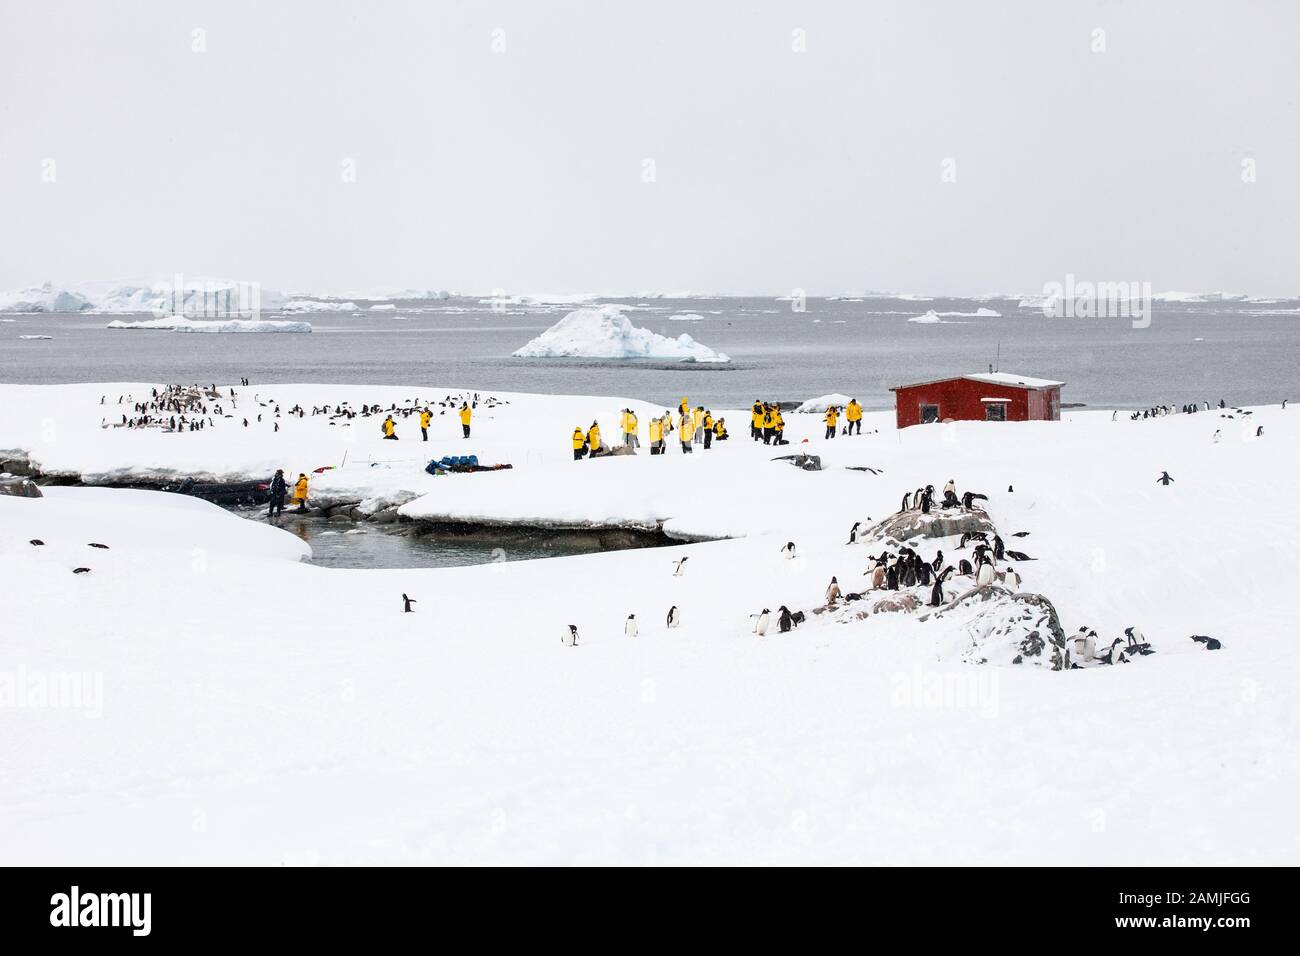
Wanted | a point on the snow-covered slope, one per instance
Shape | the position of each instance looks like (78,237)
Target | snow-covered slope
(605,332)
(259,709)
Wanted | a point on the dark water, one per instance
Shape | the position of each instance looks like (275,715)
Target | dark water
(366,545)
(1244,353)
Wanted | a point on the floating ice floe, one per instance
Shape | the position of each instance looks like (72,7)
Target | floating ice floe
(686,317)
(605,332)
(36,336)
(315,305)
(181,324)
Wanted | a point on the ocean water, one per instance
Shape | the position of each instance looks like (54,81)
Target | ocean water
(1244,353)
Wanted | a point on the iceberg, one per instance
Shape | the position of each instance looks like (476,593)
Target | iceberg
(43,298)
(315,305)
(605,332)
(181,324)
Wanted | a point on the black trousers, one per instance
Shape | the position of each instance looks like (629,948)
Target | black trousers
(708,438)
(858,423)
(830,431)
(465,428)
(424,432)
(577,454)
(276,507)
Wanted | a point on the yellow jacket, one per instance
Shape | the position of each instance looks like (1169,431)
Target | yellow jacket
(778,420)
(719,429)
(593,437)
(629,424)
(853,412)
(300,489)
(756,416)
(684,406)
(708,422)
(578,438)
(655,429)
(389,427)
(465,414)
(687,428)
(425,418)
(831,417)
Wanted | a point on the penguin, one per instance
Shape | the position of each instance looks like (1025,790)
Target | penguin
(787,551)
(1011,579)
(36,542)
(833,591)
(1010,489)
(629,626)
(999,548)
(936,593)
(907,502)
(569,635)
(937,563)
(1211,644)
(674,616)
(797,618)
(679,566)
(853,533)
(95,544)
(985,576)
(760,622)
(923,573)
(1018,556)
(964,567)
(1164,479)
(406,603)
(784,621)
(891,577)
(1137,642)
(81,570)
(877,576)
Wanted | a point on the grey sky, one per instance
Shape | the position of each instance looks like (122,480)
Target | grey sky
(774,169)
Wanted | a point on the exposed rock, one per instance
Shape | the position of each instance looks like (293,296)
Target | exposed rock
(387,516)
(17,466)
(902,601)
(937,524)
(1000,627)
(16,487)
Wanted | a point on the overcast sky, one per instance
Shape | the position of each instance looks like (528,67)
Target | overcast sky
(526,168)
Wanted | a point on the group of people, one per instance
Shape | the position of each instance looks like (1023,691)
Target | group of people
(279,490)
(694,426)
(852,419)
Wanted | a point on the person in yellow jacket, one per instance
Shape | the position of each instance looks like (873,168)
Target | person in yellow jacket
(685,430)
(300,492)
(426,416)
(466,413)
(853,415)
(593,439)
(684,406)
(579,443)
(655,432)
(630,426)
(720,429)
(706,426)
(756,420)
(778,426)
(768,424)
(390,428)
(832,419)
(697,420)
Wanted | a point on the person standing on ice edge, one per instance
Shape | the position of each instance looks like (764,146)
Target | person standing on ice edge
(426,416)
(853,415)
(390,428)
(1164,478)
(278,491)
(300,493)
(579,443)
(756,421)
(465,414)
(832,418)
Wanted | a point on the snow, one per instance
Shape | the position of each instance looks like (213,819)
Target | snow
(36,336)
(177,324)
(384,307)
(1010,378)
(605,332)
(44,298)
(819,405)
(686,317)
(938,318)
(257,709)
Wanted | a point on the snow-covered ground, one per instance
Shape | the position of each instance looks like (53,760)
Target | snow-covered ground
(255,708)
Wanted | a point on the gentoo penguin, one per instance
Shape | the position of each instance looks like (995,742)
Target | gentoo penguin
(569,635)
(760,622)
(678,566)
(95,544)
(787,551)
(964,567)
(907,502)
(1211,643)
(891,576)
(853,533)
(629,626)
(81,570)
(674,616)
(37,542)
(877,576)
(936,592)
(406,603)
(1018,556)
(985,575)
(937,563)
(833,591)
(1011,579)
(784,622)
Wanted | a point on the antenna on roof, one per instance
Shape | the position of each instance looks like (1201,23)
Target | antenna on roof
(999,358)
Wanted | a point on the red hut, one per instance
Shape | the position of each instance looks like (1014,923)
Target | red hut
(995,397)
